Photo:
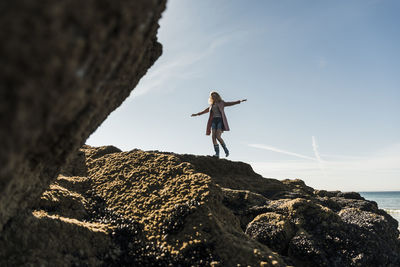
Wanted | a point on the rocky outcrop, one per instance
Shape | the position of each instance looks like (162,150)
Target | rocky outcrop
(65,65)
(114,208)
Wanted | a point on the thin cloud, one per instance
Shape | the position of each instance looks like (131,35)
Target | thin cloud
(369,166)
(380,171)
(161,74)
(315,148)
(317,156)
(165,72)
(274,149)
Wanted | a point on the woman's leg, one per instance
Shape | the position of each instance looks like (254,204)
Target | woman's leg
(214,140)
(218,136)
(214,136)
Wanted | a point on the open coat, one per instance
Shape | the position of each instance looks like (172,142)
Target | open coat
(221,105)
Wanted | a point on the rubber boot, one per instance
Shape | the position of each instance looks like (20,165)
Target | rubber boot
(216,148)
(225,149)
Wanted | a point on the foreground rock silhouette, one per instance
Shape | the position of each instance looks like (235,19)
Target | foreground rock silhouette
(113,208)
(65,66)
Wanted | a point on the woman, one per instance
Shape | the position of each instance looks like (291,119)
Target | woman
(217,122)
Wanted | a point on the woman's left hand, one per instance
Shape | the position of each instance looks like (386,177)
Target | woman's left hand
(243,100)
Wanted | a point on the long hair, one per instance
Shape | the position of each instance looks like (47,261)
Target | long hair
(217,98)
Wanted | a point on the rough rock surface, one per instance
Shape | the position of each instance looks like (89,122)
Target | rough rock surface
(65,65)
(113,208)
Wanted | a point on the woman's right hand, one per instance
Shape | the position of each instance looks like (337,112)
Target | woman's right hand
(193,115)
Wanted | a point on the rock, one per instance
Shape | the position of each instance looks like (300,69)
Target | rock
(273,230)
(142,208)
(237,176)
(298,186)
(242,200)
(324,193)
(67,203)
(65,66)
(324,237)
(350,195)
(153,208)
(40,239)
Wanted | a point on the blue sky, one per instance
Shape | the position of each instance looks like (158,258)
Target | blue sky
(322,79)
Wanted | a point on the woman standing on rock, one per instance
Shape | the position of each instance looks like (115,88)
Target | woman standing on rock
(217,121)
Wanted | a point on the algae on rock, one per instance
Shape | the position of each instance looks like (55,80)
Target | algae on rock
(156,208)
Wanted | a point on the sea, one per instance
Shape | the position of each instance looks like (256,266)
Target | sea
(387,200)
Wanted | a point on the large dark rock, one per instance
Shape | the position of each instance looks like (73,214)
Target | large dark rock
(113,208)
(65,66)
(335,231)
(136,208)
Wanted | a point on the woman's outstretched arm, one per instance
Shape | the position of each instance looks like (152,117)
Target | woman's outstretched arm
(227,104)
(202,112)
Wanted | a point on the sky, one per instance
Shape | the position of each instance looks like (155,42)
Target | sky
(322,79)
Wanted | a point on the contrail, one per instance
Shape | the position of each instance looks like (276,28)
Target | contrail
(315,148)
(318,157)
(281,151)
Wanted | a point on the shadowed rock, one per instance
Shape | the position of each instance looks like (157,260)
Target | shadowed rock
(65,65)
